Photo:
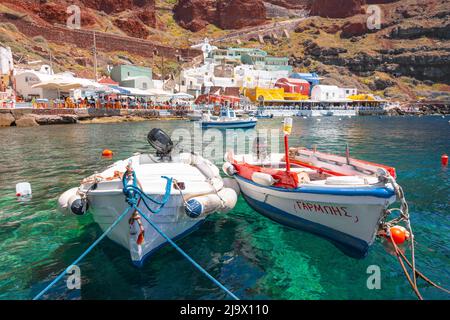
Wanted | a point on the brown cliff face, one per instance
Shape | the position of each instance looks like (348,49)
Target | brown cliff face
(195,14)
(380,1)
(114,6)
(292,4)
(237,14)
(336,8)
(226,14)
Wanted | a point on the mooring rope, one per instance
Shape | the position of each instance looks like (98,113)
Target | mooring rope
(134,195)
(195,264)
(96,242)
(404,216)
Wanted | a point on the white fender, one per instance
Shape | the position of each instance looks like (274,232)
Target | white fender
(229,169)
(206,167)
(217,183)
(203,205)
(63,200)
(224,201)
(232,183)
(263,179)
(229,199)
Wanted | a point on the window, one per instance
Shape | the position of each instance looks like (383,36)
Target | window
(182,82)
(144,85)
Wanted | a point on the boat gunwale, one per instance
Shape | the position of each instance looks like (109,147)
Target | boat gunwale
(378,192)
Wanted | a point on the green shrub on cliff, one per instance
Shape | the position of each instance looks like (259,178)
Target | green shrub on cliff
(9,26)
(40,39)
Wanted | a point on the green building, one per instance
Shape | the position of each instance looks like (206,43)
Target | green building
(250,56)
(133,76)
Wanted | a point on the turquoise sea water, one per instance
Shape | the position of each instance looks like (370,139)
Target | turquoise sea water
(253,256)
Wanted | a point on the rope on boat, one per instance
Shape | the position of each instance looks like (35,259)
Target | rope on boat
(133,201)
(405,217)
(184,254)
(92,246)
(134,195)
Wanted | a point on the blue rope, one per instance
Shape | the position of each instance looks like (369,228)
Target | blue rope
(38,296)
(186,255)
(133,193)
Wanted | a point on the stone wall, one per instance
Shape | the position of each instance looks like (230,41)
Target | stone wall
(105,41)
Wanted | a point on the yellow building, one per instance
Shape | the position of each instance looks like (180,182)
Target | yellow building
(274,94)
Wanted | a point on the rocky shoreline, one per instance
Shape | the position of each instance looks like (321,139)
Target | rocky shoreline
(33,117)
(36,117)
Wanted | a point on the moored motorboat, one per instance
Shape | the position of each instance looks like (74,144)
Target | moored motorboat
(179,190)
(228,120)
(342,199)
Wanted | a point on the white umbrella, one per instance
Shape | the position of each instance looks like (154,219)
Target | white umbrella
(182,95)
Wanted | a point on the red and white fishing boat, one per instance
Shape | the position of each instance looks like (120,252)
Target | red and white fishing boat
(342,199)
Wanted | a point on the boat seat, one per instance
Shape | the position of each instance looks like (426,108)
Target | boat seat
(346,180)
(307,170)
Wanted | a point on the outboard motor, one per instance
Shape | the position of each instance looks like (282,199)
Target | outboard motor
(162,143)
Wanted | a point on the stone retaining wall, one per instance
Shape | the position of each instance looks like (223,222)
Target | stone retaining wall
(105,41)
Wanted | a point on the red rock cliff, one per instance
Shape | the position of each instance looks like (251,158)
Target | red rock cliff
(336,8)
(226,14)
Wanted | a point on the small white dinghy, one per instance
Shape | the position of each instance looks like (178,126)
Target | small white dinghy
(183,190)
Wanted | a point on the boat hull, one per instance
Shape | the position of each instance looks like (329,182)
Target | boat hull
(229,124)
(350,221)
(172,220)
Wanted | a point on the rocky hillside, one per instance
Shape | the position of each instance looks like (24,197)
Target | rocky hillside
(408,57)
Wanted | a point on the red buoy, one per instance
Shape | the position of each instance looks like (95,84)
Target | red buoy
(107,153)
(399,234)
(444,160)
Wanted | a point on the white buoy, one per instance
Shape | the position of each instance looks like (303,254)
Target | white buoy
(23,191)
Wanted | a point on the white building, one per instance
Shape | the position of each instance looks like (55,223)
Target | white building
(195,79)
(45,84)
(331,93)
(205,47)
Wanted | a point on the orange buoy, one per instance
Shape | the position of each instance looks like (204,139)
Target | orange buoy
(444,160)
(399,234)
(107,153)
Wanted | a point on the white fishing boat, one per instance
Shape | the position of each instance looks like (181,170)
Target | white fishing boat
(183,190)
(342,199)
(228,120)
